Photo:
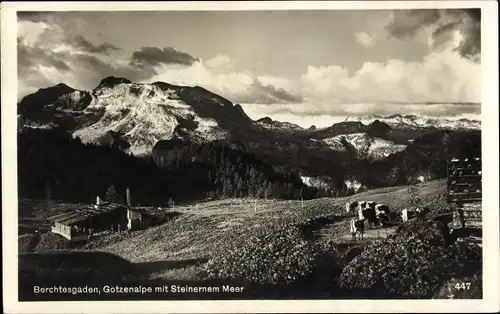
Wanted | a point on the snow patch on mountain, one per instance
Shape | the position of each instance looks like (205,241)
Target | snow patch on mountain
(278,126)
(413,121)
(144,115)
(364,145)
(33,125)
(315,182)
(75,96)
(355,185)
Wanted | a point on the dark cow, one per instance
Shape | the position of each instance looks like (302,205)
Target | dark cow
(383,214)
(382,208)
(368,214)
(422,213)
(357,227)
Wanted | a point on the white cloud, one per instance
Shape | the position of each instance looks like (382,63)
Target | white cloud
(213,74)
(30,32)
(365,39)
(331,93)
(208,76)
(280,82)
(440,77)
(220,63)
(257,111)
(326,90)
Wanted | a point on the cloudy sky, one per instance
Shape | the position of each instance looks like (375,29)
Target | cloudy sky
(306,67)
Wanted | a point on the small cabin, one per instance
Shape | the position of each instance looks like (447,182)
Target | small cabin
(138,218)
(144,217)
(89,219)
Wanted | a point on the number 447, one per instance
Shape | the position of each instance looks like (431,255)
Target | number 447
(462,286)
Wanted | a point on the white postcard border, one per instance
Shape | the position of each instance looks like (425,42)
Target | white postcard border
(490,139)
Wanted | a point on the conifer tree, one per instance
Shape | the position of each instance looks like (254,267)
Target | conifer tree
(112,195)
(268,192)
(210,178)
(241,188)
(228,188)
(170,203)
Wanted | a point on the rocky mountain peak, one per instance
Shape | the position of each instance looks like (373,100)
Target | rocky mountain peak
(266,120)
(378,129)
(111,81)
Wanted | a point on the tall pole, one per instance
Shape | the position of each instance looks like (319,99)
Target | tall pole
(128,197)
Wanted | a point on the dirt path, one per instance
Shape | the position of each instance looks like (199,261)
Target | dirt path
(371,234)
(338,232)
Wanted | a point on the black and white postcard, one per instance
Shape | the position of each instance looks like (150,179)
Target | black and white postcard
(250,156)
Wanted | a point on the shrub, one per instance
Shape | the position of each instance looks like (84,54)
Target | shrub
(440,206)
(75,267)
(51,241)
(26,242)
(413,263)
(415,200)
(280,257)
(433,232)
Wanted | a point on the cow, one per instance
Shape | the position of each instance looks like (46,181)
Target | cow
(357,226)
(382,208)
(383,213)
(404,215)
(366,211)
(368,214)
(383,219)
(422,212)
(350,206)
(362,204)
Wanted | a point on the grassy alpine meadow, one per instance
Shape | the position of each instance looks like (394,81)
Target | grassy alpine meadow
(303,245)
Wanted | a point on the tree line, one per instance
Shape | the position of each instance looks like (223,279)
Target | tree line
(53,163)
(236,173)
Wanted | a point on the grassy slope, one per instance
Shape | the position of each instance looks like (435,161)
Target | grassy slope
(175,249)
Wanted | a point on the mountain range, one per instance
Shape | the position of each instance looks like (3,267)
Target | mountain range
(142,119)
(396,120)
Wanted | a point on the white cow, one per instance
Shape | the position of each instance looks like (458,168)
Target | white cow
(404,215)
(350,206)
(361,215)
(365,209)
(420,213)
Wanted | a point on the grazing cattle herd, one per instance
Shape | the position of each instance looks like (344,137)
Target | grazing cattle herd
(373,214)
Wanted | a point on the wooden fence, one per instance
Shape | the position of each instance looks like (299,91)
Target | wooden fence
(465,191)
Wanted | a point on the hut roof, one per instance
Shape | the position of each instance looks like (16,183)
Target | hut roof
(83,213)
